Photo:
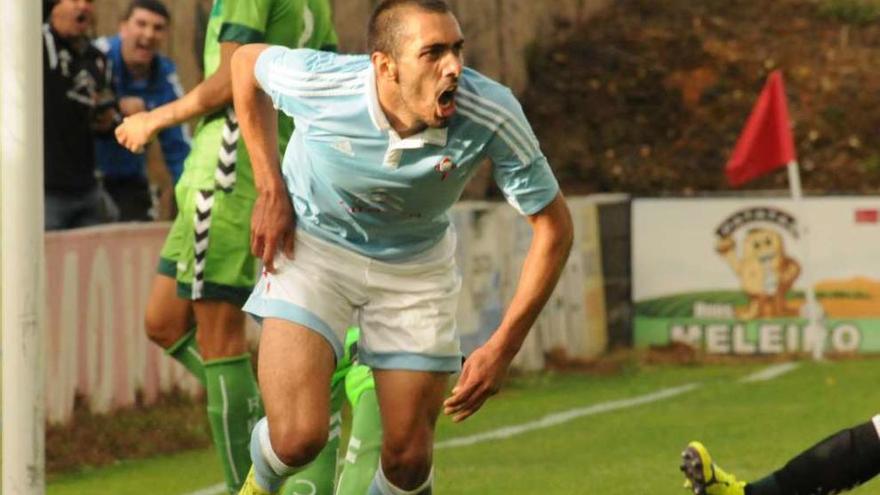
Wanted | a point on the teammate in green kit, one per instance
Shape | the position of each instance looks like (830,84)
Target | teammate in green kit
(354,381)
(205,269)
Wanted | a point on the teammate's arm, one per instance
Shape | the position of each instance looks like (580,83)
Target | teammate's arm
(485,368)
(272,218)
(211,94)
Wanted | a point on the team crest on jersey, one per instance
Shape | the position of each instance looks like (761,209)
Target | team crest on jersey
(444,167)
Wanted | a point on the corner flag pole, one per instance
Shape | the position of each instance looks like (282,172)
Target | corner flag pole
(765,144)
(815,333)
(21,258)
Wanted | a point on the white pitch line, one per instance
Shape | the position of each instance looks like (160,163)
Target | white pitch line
(770,372)
(565,416)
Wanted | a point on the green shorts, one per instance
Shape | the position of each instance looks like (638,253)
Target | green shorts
(358,378)
(208,247)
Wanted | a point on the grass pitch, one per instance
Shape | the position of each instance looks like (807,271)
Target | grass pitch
(751,428)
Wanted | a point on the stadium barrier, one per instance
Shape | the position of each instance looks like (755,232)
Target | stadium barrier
(493,240)
(98,281)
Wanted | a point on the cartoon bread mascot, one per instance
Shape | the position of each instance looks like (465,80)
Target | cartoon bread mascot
(765,272)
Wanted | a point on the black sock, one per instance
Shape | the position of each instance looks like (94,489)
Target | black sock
(765,486)
(840,462)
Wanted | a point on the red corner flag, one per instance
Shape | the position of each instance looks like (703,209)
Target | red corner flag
(766,142)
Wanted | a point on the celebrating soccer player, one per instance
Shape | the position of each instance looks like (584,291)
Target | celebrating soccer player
(356,228)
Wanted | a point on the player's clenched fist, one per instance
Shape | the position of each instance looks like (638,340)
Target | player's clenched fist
(135,132)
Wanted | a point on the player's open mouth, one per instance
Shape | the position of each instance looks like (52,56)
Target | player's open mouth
(82,18)
(446,101)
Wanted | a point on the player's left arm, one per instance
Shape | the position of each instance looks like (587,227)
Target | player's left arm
(521,171)
(485,369)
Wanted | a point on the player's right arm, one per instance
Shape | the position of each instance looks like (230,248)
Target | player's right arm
(210,95)
(272,218)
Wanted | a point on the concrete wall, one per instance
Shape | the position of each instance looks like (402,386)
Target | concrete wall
(499,32)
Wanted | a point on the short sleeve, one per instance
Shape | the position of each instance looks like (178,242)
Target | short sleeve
(244,21)
(283,74)
(520,169)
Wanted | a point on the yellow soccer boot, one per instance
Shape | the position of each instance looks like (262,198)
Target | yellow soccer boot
(251,487)
(705,477)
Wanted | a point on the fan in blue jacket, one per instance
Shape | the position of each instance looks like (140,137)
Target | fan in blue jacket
(142,79)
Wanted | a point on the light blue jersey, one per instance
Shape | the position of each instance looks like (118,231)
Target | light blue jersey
(356,183)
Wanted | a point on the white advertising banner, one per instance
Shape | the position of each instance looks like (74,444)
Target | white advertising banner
(728,275)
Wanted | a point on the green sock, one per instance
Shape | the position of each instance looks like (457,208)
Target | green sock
(364,445)
(186,352)
(320,477)
(234,407)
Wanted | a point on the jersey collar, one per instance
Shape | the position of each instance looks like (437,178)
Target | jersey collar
(431,135)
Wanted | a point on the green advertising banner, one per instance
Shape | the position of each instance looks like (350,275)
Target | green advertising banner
(729,276)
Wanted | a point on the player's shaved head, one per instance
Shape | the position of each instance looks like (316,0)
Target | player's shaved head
(386,29)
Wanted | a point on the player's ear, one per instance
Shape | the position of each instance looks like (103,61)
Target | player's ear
(384,65)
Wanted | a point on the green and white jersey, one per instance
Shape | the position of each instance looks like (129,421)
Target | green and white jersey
(290,23)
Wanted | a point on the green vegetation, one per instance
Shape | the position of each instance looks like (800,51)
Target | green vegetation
(851,11)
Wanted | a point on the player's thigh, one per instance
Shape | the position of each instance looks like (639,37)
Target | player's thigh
(318,288)
(409,322)
(409,402)
(295,367)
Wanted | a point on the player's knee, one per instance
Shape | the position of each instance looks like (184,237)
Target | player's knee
(298,444)
(160,330)
(412,455)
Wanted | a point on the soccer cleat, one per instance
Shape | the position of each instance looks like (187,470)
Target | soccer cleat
(705,477)
(251,487)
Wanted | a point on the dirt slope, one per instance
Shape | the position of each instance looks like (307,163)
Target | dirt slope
(650,97)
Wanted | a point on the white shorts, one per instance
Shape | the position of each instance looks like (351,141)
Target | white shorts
(405,310)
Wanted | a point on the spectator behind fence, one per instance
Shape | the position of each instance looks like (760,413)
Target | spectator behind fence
(143,80)
(78,104)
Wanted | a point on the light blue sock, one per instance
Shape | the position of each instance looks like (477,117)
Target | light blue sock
(269,471)
(381,485)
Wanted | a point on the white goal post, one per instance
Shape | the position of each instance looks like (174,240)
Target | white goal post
(21,236)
